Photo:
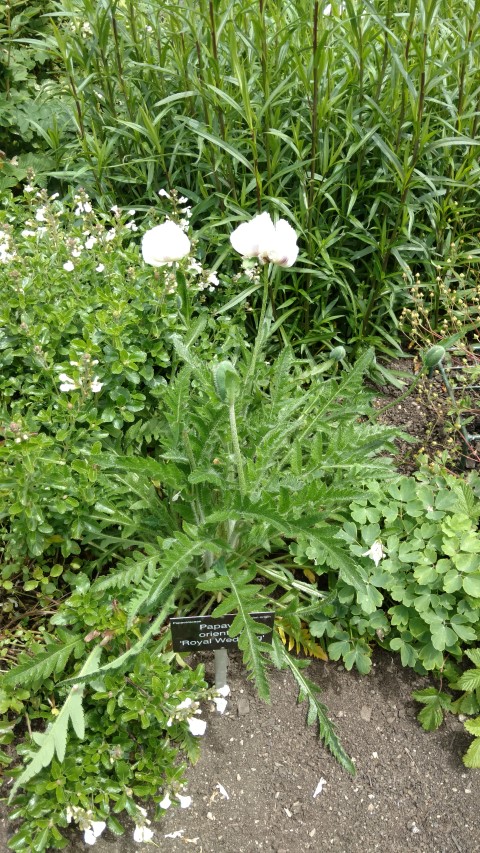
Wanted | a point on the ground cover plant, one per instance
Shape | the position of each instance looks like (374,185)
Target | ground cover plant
(358,120)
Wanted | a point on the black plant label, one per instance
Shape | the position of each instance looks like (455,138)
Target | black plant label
(206,633)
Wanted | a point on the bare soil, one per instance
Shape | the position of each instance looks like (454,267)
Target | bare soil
(411,793)
(426,416)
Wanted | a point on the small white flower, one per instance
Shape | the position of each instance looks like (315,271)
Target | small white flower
(142,834)
(76,253)
(27,233)
(131,212)
(213,279)
(69,266)
(185,704)
(54,196)
(40,215)
(185,802)
(96,385)
(87,207)
(163,193)
(100,268)
(195,266)
(131,226)
(67,383)
(89,244)
(115,210)
(110,235)
(94,831)
(166,802)
(375,552)
(318,790)
(28,188)
(327,9)
(164,243)
(197,727)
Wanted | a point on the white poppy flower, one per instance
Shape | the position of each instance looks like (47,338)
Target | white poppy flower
(185,802)
(197,727)
(251,237)
(166,802)
(94,831)
(164,243)
(260,238)
(375,552)
(142,834)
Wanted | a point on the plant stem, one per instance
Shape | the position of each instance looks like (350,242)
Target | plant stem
(259,337)
(236,448)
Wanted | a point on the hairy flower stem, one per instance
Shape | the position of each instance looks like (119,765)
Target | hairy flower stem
(410,390)
(236,448)
(263,311)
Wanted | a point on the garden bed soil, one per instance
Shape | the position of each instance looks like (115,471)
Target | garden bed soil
(411,793)
(425,415)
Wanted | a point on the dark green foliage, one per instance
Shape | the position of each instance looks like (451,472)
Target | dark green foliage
(360,126)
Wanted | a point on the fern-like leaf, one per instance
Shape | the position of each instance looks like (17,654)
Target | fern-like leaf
(309,691)
(53,659)
(54,740)
(131,570)
(163,570)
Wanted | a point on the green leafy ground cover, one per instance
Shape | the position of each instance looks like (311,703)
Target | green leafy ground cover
(167,448)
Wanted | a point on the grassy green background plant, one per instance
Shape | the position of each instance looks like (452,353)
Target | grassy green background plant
(363,122)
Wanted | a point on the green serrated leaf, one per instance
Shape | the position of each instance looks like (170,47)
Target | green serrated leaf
(309,691)
(431,717)
(472,755)
(55,738)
